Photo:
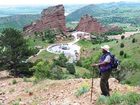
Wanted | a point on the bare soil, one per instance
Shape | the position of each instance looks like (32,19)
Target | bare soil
(54,92)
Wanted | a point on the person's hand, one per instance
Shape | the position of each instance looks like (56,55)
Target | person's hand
(94,65)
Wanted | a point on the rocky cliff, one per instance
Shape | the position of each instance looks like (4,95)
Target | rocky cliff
(90,24)
(52,18)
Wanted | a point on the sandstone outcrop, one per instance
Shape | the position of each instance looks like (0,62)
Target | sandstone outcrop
(51,18)
(90,25)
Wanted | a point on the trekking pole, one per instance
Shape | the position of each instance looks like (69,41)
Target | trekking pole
(91,87)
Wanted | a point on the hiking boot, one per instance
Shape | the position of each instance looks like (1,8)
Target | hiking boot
(105,94)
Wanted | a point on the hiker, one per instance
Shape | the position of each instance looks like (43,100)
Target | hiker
(105,69)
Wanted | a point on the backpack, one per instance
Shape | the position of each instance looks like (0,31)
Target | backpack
(114,62)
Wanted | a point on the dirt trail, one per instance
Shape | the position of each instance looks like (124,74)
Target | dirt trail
(53,92)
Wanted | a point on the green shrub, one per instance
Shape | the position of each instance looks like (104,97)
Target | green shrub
(56,73)
(61,61)
(125,55)
(102,100)
(33,51)
(100,39)
(16,102)
(71,68)
(79,63)
(127,82)
(86,62)
(122,37)
(121,45)
(133,40)
(121,53)
(115,31)
(49,35)
(83,89)
(14,81)
(42,70)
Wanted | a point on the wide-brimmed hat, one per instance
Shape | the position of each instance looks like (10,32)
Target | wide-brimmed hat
(106,48)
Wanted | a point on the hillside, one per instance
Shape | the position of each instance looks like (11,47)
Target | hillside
(130,60)
(129,69)
(17,21)
(17,91)
(76,91)
(121,12)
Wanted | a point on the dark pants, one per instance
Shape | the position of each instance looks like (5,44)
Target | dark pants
(104,85)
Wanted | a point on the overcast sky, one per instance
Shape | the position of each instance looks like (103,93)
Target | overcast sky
(54,2)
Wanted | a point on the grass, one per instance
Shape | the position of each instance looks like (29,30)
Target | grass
(116,98)
(84,88)
(134,79)
(85,44)
(44,55)
(47,55)
(32,42)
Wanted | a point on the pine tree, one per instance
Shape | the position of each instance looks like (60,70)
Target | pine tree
(13,50)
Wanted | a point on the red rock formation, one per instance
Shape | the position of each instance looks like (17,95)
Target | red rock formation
(52,17)
(90,24)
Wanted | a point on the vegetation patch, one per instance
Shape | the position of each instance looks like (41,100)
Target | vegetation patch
(84,88)
(119,99)
(14,81)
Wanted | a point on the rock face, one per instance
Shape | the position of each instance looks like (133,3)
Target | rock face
(51,18)
(90,24)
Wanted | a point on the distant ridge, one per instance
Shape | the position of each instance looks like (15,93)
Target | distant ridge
(123,12)
(17,21)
